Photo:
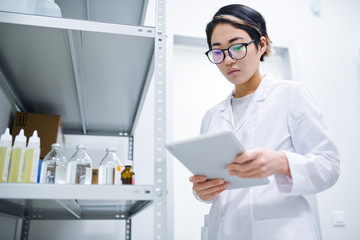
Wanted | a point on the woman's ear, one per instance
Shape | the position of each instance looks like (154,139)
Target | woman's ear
(263,45)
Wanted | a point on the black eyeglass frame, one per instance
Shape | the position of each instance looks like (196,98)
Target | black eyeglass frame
(227,49)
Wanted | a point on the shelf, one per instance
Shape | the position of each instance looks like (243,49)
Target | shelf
(64,202)
(94,75)
(114,11)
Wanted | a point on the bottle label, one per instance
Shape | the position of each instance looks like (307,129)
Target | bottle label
(88,175)
(17,165)
(35,166)
(117,180)
(60,175)
(50,174)
(4,163)
(31,165)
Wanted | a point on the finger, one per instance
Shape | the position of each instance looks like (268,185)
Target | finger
(252,173)
(204,186)
(211,196)
(212,192)
(241,168)
(246,156)
(197,178)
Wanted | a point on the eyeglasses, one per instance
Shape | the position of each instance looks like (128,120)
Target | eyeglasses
(236,51)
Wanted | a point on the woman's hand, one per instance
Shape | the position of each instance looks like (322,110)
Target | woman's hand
(207,190)
(259,163)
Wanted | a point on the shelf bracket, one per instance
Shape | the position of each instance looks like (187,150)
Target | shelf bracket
(71,206)
(74,44)
(10,92)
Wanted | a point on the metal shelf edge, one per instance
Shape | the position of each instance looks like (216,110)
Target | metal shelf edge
(80,192)
(71,24)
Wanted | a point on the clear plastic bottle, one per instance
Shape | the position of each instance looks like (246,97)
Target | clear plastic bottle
(110,168)
(17,158)
(32,156)
(5,151)
(54,165)
(79,167)
(128,175)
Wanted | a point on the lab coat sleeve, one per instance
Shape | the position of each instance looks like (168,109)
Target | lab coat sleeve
(314,165)
(204,130)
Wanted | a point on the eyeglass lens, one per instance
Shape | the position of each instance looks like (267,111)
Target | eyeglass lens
(237,51)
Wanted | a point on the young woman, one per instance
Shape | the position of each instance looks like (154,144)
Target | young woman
(282,129)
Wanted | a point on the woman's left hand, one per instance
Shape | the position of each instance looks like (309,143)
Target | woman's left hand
(259,163)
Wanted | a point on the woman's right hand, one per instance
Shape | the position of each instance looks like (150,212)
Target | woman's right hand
(207,190)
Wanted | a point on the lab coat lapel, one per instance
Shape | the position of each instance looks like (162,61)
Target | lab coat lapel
(226,110)
(259,97)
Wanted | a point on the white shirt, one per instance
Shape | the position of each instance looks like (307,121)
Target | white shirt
(281,116)
(239,106)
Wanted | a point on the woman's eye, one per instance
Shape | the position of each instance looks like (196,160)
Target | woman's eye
(237,48)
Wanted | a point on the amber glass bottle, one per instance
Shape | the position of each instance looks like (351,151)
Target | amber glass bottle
(128,175)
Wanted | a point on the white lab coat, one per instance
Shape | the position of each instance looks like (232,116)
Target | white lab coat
(281,116)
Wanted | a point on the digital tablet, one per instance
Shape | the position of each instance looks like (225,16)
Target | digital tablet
(209,155)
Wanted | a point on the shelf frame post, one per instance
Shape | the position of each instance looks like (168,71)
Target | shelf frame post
(160,196)
(25,228)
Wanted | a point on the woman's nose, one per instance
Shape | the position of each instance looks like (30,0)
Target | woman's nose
(228,59)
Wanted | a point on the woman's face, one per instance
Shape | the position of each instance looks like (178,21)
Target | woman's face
(240,71)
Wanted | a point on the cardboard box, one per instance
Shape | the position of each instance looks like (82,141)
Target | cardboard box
(95,175)
(49,129)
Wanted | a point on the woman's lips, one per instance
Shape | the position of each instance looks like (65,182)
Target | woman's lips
(233,71)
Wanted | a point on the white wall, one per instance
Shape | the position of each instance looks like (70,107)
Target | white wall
(327,51)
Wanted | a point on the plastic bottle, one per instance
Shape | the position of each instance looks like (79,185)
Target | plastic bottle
(54,166)
(5,151)
(110,168)
(32,156)
(48,8)
(17,158)
(128,176)
(79,167)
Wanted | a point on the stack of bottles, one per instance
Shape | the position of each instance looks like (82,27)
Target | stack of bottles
(20,163)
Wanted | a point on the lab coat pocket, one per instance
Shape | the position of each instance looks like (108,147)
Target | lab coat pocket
(284,229)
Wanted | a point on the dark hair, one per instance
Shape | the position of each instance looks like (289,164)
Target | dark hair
(242,17)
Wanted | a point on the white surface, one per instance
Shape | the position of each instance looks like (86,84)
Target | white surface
(338,218)
(208,155)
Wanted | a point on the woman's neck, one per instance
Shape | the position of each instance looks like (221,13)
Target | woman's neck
(249,86)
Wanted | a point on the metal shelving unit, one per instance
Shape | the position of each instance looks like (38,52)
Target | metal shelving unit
(89,73)
(68,202)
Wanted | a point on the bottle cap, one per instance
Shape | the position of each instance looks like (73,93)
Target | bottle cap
(128,163)
(6,136)
(80,146)
(34,138)
(21,137)
(56,145)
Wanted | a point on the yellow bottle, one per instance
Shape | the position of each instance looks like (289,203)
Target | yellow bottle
(17,158)
(32,156)
(128,176)
(5,151)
